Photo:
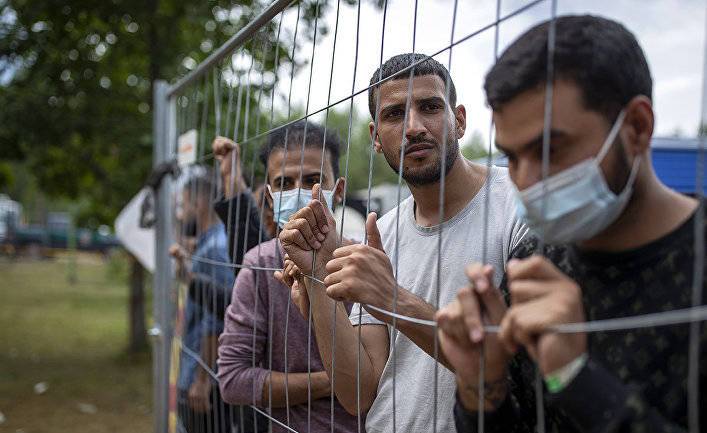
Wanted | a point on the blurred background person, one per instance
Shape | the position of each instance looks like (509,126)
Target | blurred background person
(199,403)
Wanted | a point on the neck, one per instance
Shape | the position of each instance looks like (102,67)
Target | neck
(461,184)
(653,212)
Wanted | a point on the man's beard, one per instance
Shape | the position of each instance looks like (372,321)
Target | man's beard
(430,173)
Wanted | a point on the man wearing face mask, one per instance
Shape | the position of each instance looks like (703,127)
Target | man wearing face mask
(268,366)
(631,251)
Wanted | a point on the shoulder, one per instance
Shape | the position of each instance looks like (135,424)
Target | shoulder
(387,221)
(502,192)
(264,253)
(501,184)
(215,236)
(214,243)
(560,254)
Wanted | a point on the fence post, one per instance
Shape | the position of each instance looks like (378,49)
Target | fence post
(162,305)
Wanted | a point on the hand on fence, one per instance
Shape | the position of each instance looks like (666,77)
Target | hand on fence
(541,297)
(362,273)
(228,153)
(199,393)
(461,337)
(310,229)
(294,279)
(180,256)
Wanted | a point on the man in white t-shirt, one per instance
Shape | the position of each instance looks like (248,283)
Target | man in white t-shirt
(400,262)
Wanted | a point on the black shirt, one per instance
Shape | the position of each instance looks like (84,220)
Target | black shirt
(635,380)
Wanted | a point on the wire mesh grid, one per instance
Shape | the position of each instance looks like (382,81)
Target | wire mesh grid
(244,95)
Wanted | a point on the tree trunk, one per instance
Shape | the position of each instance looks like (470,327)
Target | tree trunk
(136,314)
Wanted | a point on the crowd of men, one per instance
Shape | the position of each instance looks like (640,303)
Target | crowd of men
(330,334)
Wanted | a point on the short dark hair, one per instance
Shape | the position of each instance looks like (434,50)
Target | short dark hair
(295,134)
(395,64)
(202,184)
(599,55)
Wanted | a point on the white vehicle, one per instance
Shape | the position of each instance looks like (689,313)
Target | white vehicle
(10,212)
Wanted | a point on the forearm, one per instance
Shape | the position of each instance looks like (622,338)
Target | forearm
(342,361)
(422,335)
(208,352)
(297,386)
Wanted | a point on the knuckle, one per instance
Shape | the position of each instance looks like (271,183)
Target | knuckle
(535,262)
(472,269)
(513,287)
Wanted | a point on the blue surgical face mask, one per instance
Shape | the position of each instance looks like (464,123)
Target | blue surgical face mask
(577,203)
(286,203)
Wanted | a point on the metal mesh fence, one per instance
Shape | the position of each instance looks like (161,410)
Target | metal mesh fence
(217,223)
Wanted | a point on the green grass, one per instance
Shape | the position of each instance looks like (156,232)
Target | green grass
(73,337)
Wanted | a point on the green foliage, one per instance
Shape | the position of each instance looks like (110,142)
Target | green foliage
(78,91)
(359,151)
(475,148)
(6,177)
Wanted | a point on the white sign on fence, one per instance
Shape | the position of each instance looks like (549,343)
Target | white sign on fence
(186,148)
(139,241)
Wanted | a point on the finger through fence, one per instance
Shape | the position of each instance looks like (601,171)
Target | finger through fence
(240,95)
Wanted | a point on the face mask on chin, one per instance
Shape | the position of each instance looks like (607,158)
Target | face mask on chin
(576,204)
(287,203)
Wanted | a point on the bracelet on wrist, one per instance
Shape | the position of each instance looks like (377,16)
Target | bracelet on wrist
(559,379)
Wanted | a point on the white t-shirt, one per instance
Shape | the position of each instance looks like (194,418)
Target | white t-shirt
(462,238)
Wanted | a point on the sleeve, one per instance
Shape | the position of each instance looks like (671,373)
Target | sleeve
(616,407)
(239,353)
(366,317)
(515,231)
(212,284)
(241,217)
(500,420)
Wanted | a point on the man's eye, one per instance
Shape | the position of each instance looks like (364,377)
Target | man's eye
(430,107)
(394,113)
(286,184)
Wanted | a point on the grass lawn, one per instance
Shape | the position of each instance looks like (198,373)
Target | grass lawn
(73,338)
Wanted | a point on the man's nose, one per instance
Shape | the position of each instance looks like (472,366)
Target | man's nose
(414,126)
(526,174)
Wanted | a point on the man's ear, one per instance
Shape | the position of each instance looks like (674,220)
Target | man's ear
(267,194)
(460,121)
(339,190)
(637,130)
(376,140)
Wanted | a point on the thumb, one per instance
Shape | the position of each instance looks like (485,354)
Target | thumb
(323,208)
(317,192)
(372,233)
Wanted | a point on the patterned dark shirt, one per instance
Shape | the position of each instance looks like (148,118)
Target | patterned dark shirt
(635,380)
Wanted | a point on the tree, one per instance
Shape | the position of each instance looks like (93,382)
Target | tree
(475,148)
(77,82)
